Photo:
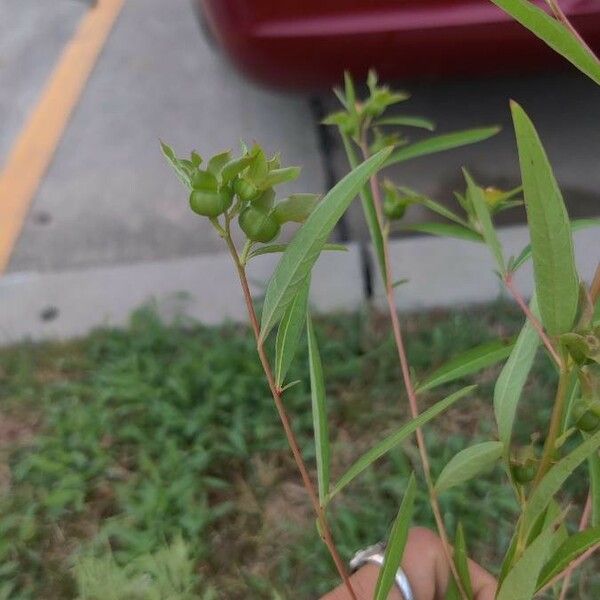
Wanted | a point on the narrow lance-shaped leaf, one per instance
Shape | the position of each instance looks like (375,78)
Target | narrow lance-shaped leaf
(555,477)
(288,333)
(554,33)
(567,552)
(319,411)
(446,230)
(468,463)
(485,220)
(176,163)
(520,582)
(408,121)
(467,363)
(461,560)
(296,208)
(440,143)
(513,376)
(576,225)
(276,248)
(377,451)
(556,280)
(303,251)
(396,542)
(368,207)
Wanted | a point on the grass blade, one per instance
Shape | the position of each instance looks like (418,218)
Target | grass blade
(556,476)
(567,552)
(513,376)
(440,143)
(319,411)
(468,463)
(467,363)
(288,333)
(445,230)
(553,33)
(556,279)
(396,542)
(377,451)
(485,220)
(303,251)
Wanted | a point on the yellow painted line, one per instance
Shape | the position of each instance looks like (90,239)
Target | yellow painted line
(34,148)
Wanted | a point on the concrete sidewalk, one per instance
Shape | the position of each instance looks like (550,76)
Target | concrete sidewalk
(110,226)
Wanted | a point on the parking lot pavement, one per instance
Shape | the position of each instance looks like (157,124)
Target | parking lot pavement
(108,196)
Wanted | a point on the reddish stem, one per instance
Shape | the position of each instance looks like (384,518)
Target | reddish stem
(510,286)
(408,384)
(285,421)
(583,523)
(562,17)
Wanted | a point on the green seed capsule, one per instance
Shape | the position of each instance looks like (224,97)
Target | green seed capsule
(210,204)
(523,473)
(394,207)
(258,225)
(589,422)
(245,190)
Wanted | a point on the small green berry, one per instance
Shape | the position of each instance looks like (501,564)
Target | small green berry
(258,225)
(210,204)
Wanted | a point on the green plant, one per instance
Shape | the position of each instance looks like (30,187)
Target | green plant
(562,316)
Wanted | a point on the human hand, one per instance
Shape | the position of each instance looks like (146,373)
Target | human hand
(427,570)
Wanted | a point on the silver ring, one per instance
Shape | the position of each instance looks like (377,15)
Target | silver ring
(401,579)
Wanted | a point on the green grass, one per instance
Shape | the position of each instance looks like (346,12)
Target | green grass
(152,460)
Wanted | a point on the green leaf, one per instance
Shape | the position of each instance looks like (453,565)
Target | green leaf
(303,251)
(396,542)
(576,225)
(319,411)
(513,376)
(468,463)
(569,550)
(554,33)
(467,363)
(218,161)
(278,176)
(350,92)
(555,477)
(275,248)
(396,438)
(178,166)
(368,207)
(461,560)
(296,208)
(485,220)
(440,143)
(408,121)
(520,581)
(556,280)
(438,208)
(445,230)
(234,167)
(288,333)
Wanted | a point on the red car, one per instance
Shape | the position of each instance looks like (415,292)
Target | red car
(308,43)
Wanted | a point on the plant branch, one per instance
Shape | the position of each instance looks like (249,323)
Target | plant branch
(285,421)
(583,523)
(510,286)
(408,383)
(562,17)
(554,429)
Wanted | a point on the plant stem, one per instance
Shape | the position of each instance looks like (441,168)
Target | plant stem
(562,17)
(285,421)
(554,429)
(583,523)
(408,384)
(510,286)
(595,287)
